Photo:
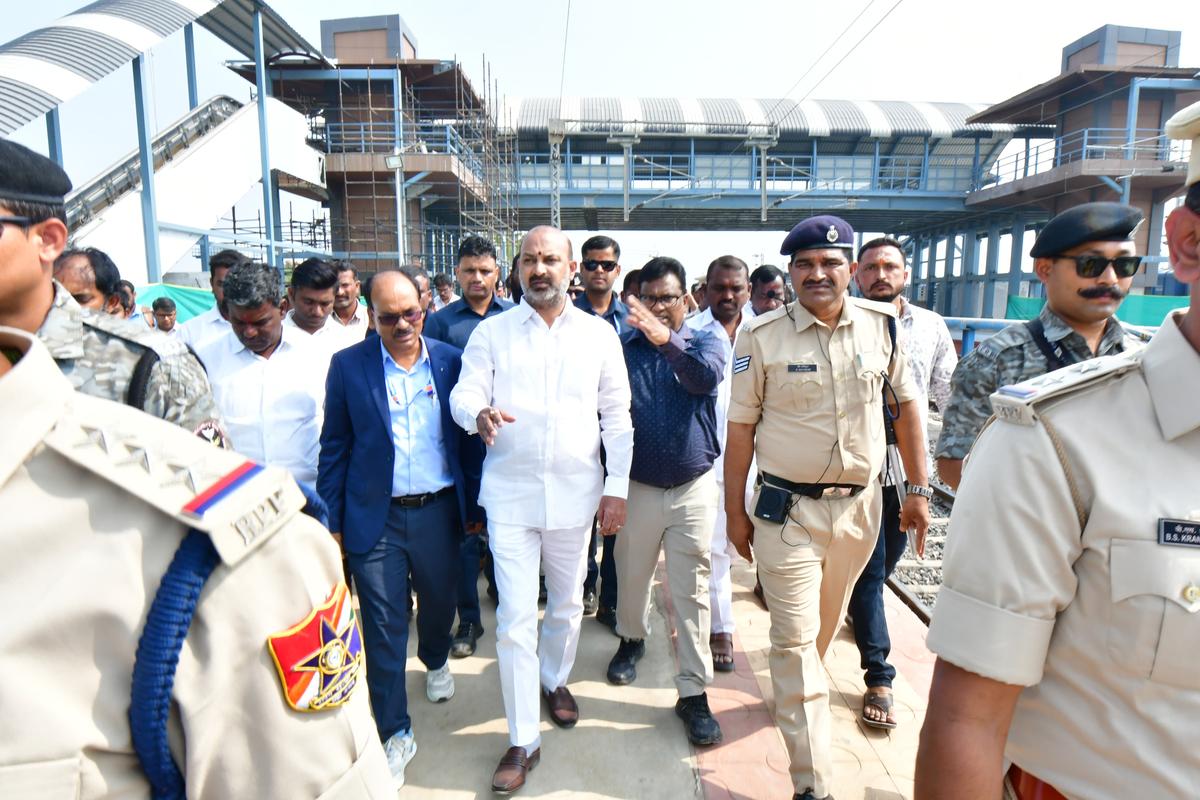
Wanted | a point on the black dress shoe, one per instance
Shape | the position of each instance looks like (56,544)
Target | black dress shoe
(464,641)
(622,669)
(590,603)
(607,617)
(701,726)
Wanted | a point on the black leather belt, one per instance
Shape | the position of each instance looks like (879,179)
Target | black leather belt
(813,491)
(421,500)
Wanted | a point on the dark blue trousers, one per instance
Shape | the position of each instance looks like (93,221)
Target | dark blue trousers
(606,570)
(468,579)
(866,602)
(420,545)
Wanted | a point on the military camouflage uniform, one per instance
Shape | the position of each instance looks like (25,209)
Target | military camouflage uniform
(1011,356)
(98,354)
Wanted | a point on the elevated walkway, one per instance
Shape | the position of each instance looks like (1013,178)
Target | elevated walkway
(204,164)
(629,743)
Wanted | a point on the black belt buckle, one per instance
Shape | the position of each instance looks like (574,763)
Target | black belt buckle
(419,500)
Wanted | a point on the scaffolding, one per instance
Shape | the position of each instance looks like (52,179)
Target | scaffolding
(414,149)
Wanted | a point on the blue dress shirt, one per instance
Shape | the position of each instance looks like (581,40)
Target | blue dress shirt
(674,407)
(421,465)
(455,323)
(615,316)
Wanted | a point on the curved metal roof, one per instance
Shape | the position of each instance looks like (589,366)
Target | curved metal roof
(48,66)
(726,116)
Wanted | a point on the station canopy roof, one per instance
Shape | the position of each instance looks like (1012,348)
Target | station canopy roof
(46,67)
(743,116)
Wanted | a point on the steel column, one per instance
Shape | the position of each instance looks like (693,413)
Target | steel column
(398,132)
(264,152)
(914,292)
(991,284)
(1015,258)
(146,169)
(189,58)
(627,148)
(762,179)
(54,136)
(972,287)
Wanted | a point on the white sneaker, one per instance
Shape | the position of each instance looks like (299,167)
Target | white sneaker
(439,684)
(400,749)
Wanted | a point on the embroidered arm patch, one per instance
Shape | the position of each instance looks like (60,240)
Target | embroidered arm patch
(741,364)
(319,658)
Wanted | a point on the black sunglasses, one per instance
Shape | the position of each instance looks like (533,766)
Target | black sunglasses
(1094,266)
(411,317)
(591,265)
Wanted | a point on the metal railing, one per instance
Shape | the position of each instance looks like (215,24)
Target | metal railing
(1147,144)
(784,173)
(93,197)
(380,137)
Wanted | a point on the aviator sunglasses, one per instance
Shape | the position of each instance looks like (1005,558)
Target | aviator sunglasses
(591,265)
(1094,266)
(411,317)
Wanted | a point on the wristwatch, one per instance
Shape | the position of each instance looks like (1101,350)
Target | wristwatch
(923,491)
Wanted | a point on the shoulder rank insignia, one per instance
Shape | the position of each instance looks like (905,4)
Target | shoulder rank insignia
(319,659)
(1015,403)
(741,364)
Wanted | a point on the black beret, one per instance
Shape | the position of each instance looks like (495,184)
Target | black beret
(29,177)
(1090,222)
(819,232)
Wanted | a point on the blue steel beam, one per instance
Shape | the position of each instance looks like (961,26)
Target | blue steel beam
(189,59)
(264,151)
(1015,257)
(54,136)
(141,100)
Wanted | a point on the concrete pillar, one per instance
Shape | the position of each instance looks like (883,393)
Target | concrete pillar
(1015,258)
(993,297)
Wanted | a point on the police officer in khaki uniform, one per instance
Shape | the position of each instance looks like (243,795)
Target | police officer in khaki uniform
(102,355)
(268,697)
(809,381)
(1067,642)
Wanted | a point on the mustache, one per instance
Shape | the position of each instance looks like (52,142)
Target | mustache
(1096,292)
(817,284)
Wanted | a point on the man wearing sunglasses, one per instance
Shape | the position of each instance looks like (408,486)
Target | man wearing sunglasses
(1086,259)
(600,268)
(394,470)
(1067,644)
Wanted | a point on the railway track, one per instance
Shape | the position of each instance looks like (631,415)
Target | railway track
(914,581)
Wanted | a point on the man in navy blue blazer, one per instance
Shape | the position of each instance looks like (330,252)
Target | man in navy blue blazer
(394,470)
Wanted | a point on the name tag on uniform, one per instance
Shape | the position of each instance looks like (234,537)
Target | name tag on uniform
(802,367)
(1183,532)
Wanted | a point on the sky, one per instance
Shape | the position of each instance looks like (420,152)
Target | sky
(929,50)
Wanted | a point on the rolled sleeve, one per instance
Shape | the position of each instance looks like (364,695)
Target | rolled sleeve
(1009,560)
(746,384)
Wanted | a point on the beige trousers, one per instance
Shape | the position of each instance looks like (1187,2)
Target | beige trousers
(808,567)
(678,521)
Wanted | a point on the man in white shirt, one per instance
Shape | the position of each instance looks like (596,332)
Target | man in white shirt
(202,328)
(443,294)
(268,379)
(882,275)
(164,316)
(310,300)
(543,412)
(728,290)
(347,310)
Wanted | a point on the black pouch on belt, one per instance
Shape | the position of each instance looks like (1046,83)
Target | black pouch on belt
(772,503)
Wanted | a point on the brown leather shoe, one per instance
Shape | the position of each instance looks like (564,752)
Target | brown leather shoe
(564,712)
(510,774)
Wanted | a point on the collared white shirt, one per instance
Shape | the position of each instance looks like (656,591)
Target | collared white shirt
(416,413)
(705,321)
(332,335)
(272,407)
(358,320)
(439,304)
(203,328)
(567,386)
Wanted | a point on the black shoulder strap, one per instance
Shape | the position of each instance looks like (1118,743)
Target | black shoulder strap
(889,426)
(1056,355)
(140,381)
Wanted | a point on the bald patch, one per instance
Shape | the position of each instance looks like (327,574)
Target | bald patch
(392,284)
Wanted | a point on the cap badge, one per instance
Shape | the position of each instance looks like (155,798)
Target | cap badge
(832,234)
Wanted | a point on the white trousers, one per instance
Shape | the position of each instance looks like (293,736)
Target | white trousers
(720,587)
(527,666)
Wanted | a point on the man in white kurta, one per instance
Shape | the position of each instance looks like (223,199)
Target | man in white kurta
(544,385)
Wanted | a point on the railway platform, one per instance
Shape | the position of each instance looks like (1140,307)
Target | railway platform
(629,744)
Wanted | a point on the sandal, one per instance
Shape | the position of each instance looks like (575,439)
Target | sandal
(881,701)
(721,645)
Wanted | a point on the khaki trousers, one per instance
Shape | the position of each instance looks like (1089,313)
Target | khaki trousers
(678,521)
(808,567)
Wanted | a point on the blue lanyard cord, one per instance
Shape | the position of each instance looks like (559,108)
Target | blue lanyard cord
(428,390)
